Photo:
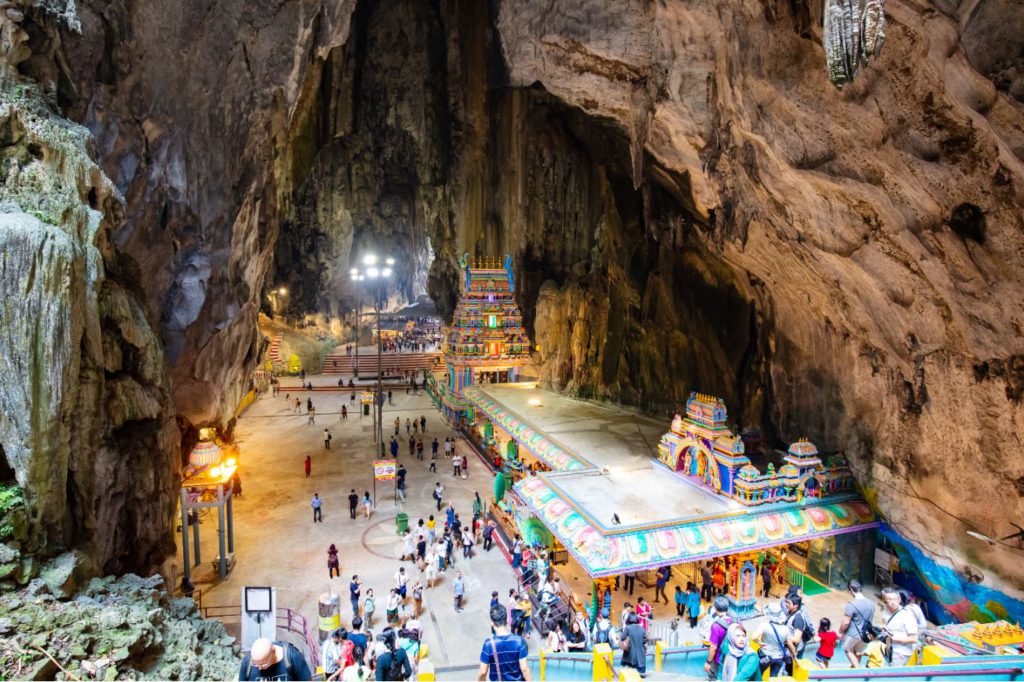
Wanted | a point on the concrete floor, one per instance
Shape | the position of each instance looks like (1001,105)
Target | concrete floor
(277,543)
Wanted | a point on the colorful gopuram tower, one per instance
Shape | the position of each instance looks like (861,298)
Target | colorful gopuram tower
(486,340)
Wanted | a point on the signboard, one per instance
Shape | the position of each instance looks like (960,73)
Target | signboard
(384,470)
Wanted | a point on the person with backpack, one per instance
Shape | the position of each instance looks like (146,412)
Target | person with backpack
(771,637)
(857,615)
(801,629)
(488,535)
(604,631)
(721,620)
(503,655)
(272,660)
(393,664)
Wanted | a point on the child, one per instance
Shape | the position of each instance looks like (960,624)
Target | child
(875,649)
(826,642)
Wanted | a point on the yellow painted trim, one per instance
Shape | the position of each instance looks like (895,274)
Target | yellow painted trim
(543,664)
(658,655)
(802,668)
(601,668)
(247,400)
(425,670)
(629,675)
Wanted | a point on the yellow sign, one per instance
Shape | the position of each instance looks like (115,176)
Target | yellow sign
(384,470)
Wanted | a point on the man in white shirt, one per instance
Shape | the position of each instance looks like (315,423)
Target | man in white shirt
(401,580)
(901,626)
(330,654)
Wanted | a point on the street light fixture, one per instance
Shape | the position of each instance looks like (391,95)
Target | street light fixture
(378,276)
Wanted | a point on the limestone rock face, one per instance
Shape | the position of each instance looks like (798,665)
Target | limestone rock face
(87,430)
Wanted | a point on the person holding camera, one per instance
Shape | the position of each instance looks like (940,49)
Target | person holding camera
(900,627)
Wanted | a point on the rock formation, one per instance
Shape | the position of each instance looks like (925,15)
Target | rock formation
(690,203)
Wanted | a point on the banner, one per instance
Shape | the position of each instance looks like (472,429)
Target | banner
(384,470)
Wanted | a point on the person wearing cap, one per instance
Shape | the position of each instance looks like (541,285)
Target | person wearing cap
(269,660)
(771,636)
(796,618)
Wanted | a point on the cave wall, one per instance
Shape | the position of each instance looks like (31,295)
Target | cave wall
(87,431)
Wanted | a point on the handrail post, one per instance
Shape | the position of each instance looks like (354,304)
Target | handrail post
(658,655)
(543,664)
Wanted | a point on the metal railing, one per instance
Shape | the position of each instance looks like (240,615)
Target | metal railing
(287,620)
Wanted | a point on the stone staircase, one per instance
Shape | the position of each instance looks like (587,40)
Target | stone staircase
(338,362)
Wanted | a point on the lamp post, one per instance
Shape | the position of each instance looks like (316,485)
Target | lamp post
(378,274)
(356,276)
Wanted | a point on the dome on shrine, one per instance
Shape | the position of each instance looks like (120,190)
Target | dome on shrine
(749,473)
(803,448)
(205,453)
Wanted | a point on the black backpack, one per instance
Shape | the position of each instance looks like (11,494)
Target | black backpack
(395,666)
(807,631)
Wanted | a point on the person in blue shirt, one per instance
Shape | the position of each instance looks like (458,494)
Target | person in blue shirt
(693,604)
(503,656)
(680,599)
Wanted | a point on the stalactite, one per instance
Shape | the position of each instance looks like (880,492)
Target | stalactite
(854,31)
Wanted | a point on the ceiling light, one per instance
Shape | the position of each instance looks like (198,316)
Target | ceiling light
(386,272)
(282,291)
(369,259)
(389,261)
(372,272)
(354,272)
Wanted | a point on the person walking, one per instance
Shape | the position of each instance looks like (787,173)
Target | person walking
(857,616)
(309,404)
(367,503)
(433,448)
(419,449)
(412,445)
(423,423)
(739,661)
(660,582)
(394,448)
(478,506)
(298,404)
(693,604)
(488,535)
(456,465)
(312,415)
(308,465)
(400,482)
(459,587)
(447,446)
(369,607)
(417,599)
(465,466)
(390,399)
(503,655)
(706,582)
(766,579)
(354,590)
(467,543)
(333,563)
(353,502)
(393,663)
(327,439)
(629,583)
(398,424)
(634,645)
(316,504)
(401,582)
(644,612)
(433,463)
(438,495)
(771,638)
(517,552)
(719,627)
(408,426)
(344,412)
(900,626)
(680,599)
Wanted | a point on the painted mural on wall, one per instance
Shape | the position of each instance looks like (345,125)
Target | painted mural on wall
(948,593)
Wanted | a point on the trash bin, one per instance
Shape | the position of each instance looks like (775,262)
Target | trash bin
(366,409)
(402,522)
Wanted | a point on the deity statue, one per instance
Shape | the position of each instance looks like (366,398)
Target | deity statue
(746,590)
